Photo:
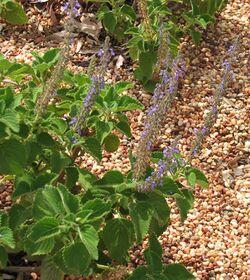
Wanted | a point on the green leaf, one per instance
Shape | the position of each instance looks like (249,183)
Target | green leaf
(196,36)
(76,258)
(153,255)
(11,120)
(17,215)
(58,161)
(169,187)
(141,214)
(112,177)
(176,271)
(72,176)
(103,129)
(127,103)
(52,201)
(146,62)
(191,179)
(14,13)
(128,11)
(3,257)
(118,237)
(111,143)
(124,127)
(201,179)
(12,157)
(122,86)
(186,203)
(45,139)
(6,237)
(162,211)
(49,271)
(90,239)
(51,56)
(93,146)
(109,21)
(140,273)
(44,229)
(38,248)
(98,207)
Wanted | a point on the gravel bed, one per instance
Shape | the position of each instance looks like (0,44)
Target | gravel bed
(214,240)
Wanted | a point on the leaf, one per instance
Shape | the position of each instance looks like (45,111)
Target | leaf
(201,179)
(146,62)
(176,271)
(191,179)
(185,204)
(196,36)
(122,86)
(140,273)
(90,239)
(76,258)
(112,177)
(14,13)
(118,237)
(111,143)
(12,157)
(49,271)
(93,146)
(58,161)
(45,139)
(103,129)
(44,229)
(53,201)
(39,248)
(51,56)
(98,207)
(162,211)
(124,127)
(3,257)
(141,214)
(128,11)
(72,176)
(11,120)
(127,103)
(153,255)
(170,187)
(109,21)
(6,237)
(17,215)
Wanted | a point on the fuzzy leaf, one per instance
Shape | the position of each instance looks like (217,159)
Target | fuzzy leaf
(141,214)
(111,143)
(6,237)
(185,204)
(46,228)
(93,146)
(176,271)
(90,239)
(3,257)
(118,237)
(76,258)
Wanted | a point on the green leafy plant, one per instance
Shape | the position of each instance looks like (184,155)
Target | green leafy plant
(12,12)
(155,269)
(117,17)
(63,216)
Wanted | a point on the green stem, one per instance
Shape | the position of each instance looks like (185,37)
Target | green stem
(105,267)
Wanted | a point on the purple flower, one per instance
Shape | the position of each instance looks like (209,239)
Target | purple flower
(100,52)
(112,52)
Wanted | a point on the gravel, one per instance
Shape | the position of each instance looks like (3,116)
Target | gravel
(214,240)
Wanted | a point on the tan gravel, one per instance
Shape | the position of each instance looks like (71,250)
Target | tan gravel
(214,240)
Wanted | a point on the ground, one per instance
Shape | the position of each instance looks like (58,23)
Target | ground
(214,240)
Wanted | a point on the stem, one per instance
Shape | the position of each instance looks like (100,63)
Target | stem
(105,267)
